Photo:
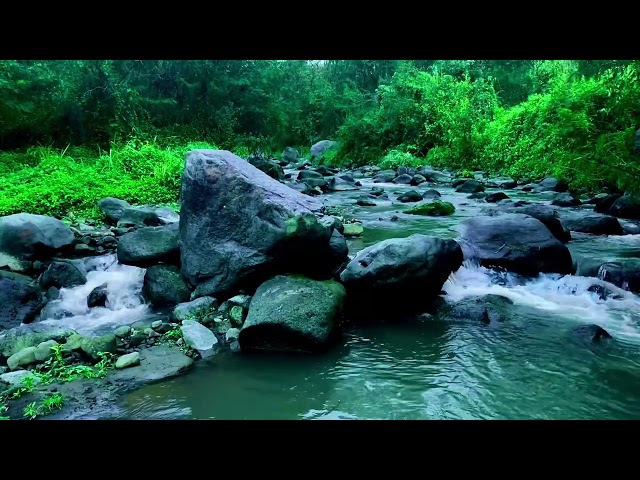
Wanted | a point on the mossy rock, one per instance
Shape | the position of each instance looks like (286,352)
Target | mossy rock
(435,208)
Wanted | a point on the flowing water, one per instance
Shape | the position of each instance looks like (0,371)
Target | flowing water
(537,365)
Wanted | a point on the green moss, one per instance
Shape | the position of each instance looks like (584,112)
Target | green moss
(437,208)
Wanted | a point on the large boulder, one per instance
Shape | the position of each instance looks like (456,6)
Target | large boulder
(433,175)
(293,313)
(139,217)
(62,275)
(239,227)
(20,303)
(33,236)
(403,179)
(113,208)
(32,335)
(595,225)
(164,285)
(545,214)
(320,148)
(516,242)
(150,245)
(339,184)
(410,196)
(603,204)
(496,197)
(623,275)
(470,186)
(551,184)
(627,206)
(385,176)
(400,273)
(290,155)
(565,199)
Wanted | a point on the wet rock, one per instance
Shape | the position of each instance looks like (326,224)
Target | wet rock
(83,250)
(98,296)
(149,246)
(386,176)
(157,324)
(53,293)
(595,225)
(496,197)
(477,196)
(417,179)
(410,196)
(164,285)
(338,184)
(403,179)
(198,337)
(235,347)
(551,184)
(565,199)
(139,217)
(137,339)
(18,378)
(305,175)
(32,335)
(353,229)
(517,242)
(232,335)
(431,194)
(62,275)
(290,155)
(231,244)
(294,314)
(433,175)
(23,358)
(320,148)
(604,204)
(113,208)
(603,292)
(470,186)
(92,346)
(156,363)
(44,350)
(365,202)
(627,206)
(595,200)
(123,331)
(625,276)
(197,309)
(412,268)
(20,303)
(436,208)
(406,171)
(263,163)
(128,360)
(28,236)
(545,214)
(592,332)
(167,216)
(376,191)
(506,183)
(483,309)
(119,231)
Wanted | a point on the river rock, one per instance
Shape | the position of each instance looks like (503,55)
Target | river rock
(293,313)
(364,201)
(353,229)
(337,184)
(411,171)
(122,331)
(196,309)
(129,360)
(139,217)
(496,197)
(517,242)
(551,184)
(62,275)
(384,176)
(410,196)
(625,276)
(565,199)
(290,155)
(28,236)
(592,332)
(595,225)
(238,226)
(198,337)
(433,175)
(308,174)
(32,335)
(435,208)
(262,162)
(43,350)
(431,194)
(484,309)
(156,363)
(545,214)
(470,186)
(18,378)
(92,346)
(627,206)
(232,335)
(403,179)
(320,148)
(149,246)
(376,191)
(604,204)
(113,208)
(417,179)
(23,358)
(164,285)
(413,269)
(20,303)
(98,296)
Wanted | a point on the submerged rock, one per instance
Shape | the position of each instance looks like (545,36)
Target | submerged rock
(592,332)
(625,276)
(20,303)
(365,202)
(238,226)
(294,314)
(517,242)
(484,309)
(413,269)
(149,246)
(353,229)
(435,208)
(24,235)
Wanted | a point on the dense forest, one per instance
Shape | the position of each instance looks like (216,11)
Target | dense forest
(72,132)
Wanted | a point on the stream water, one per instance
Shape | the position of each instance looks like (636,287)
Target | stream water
(535,366)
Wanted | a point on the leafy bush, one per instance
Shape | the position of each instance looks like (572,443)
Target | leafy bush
(398,158)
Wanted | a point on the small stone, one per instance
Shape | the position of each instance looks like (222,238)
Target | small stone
(43,350)
(235,347)
(180,341)
(137,339)
(18,377)
(156,324)
(24,357)
(353,229)
(198,337)
(151,333)
(128,360)
(92,346)
(122,331)
(237,314)
(232,335)
(53,293)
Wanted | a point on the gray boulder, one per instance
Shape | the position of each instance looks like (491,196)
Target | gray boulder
(290,155)
(156,363)
(516,242)
(338,184)
(551,184)
(197,309)
(565,199)
(470,186)
(33,236)
(62,275)
(238,226)
(320,148)
(139,217)
(483,309)
(32,335)
(545,214)
(98,296)
(198,337)
(113,208)
(293,313)
(624,275)
(412,269)
(404,179)
(595,225)
(627,206)
(20,303)
(385,176)
(149,246)
(164,285)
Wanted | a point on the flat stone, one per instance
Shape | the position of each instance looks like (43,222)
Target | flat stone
(18,377)
(128,360)
(197,336)
(156,363)
(24,357)
(122,331)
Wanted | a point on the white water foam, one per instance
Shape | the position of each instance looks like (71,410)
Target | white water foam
(566,296)
(124,304)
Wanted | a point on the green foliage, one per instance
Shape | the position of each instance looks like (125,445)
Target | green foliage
(398,158)
(56,369)
(52,402)
(174,338)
